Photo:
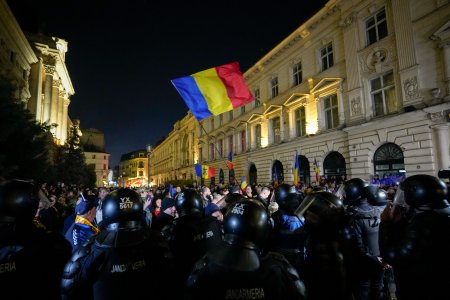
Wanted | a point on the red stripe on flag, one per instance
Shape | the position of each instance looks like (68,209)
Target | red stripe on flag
(234,82)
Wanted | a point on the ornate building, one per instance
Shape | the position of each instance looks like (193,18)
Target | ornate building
(133,169)
(35,66)
(362,87)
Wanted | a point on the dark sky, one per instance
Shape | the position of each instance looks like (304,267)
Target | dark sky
(123,54)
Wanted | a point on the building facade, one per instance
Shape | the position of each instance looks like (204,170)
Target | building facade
(133,169)
(362,88)
(35,66)
(93,143)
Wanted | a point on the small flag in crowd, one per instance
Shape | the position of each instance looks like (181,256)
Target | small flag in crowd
(230,161)
(243,184)
(316,170)
(275,176)
(214,91)
(296,169)
(171,191)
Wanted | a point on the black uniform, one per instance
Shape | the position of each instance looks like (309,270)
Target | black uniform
(274,279)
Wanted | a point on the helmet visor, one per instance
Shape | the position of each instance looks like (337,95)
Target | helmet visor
(399,198)
(304,206)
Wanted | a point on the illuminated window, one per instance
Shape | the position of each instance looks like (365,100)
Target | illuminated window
(274,87)
(326,56)
(243,141)
(330,104)
(257,98)
(276,129)
(297,74)
(382,90)
(300,121)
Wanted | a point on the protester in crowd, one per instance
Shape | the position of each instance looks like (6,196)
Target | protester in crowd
(239,269)
(166,215)
(126,260)
(83,228)
(213,209)
(415,238)
(31,258)
(102,192)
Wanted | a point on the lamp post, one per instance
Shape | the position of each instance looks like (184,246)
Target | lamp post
(149,151)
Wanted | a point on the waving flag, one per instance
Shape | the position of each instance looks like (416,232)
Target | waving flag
(171,191)
(316,170)
(296,169)
(230,161)
(243,184)
(198,170)
(275,176)
(214,91)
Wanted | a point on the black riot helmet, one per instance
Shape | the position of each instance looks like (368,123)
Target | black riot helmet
(352,191)
(189,202)
(422,191)
(19,201)
(247,223)
(122,209)
(281,193)
(324,208)
(375,196)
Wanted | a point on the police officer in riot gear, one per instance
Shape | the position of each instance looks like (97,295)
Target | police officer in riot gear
(190,235)
(239,269)
(31,258)
(126,260)
(285,239)
(417,244)
(363,201)
(329,247)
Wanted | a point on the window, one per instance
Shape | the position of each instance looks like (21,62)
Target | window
(243,141)
(211,149)
(257,98)
(220,146)
(382,90)
(300,122)
(276,126)
(220,120)
(141,173)
(141,164)
(242,109)
(331,111)
(326,56)
(297,74)
(93,156)
(200,154)
(104,166)
(376,27)
(274,87)
(230,143)
(212,124)
(141,154)
(104,157)
(230,115)
(258,135)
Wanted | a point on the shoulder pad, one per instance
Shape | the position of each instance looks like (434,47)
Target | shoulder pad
(80,253)
(198,267)
(167,231)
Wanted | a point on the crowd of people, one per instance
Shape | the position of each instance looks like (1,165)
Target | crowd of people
(342,239)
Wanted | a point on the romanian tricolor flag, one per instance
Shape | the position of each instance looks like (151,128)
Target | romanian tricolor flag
(243,184)
(296,169)
(214,91)
(230,161)
(316,170)
(207,171)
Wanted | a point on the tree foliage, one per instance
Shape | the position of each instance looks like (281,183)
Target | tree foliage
(72,168)
(24,144)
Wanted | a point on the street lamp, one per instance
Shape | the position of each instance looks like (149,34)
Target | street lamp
(149,151)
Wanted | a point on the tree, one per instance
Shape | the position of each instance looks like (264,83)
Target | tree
(72,168)
(24,144)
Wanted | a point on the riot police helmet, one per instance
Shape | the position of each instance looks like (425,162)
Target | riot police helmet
(122,209)
(247,224)
(422,191)
(321,208)
(375,196)
(281,194)
(19,200)
(189,202)
(351,191)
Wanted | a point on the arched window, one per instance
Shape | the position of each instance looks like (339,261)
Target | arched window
(389,160)
(277,172)
(304,170)
(221,177)
(334,165)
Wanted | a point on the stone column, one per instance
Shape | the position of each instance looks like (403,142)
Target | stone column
(65,118)
(340,97)
(292,125)
(54,105)
(446,50)
(49,71)
(282,125)
(60,128)
(35,103)
(443,146)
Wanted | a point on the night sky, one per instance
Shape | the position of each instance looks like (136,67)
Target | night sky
(123,54)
